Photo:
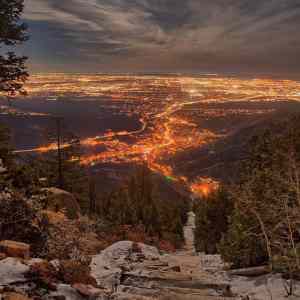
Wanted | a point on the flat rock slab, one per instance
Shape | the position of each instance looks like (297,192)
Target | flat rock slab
(250,272)
(136,280)
(15,249)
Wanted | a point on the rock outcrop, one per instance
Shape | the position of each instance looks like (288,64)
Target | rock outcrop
(134,271)
(60,200)
(108,267)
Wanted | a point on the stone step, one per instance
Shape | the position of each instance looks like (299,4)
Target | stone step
(172,294)
(178,296)
(162,282)
(192,294)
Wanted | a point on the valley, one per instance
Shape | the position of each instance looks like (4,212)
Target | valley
(171,122)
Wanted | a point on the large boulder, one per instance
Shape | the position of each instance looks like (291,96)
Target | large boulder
(12,271)
(15,249)
(108,266)
(60,200)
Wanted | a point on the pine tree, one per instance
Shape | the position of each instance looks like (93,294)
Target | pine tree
(62,167)
(12,32)
(264,226)
(138,204)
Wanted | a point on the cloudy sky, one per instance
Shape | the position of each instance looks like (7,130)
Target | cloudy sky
(164,35)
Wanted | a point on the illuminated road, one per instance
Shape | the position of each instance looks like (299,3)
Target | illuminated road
(91,141)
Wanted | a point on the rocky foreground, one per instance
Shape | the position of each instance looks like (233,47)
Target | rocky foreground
(128,271)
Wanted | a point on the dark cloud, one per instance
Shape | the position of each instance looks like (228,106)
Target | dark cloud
(164,35)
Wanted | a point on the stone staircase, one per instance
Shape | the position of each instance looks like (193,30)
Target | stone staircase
(183,275)
(189,236)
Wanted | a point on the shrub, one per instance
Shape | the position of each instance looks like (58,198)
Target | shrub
(20,222)
(76,272)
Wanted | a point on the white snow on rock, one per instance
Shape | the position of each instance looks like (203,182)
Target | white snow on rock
(12,271)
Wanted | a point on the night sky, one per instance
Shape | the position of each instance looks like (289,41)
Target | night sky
(164,35)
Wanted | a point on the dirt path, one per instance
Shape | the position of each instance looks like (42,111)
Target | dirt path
(151,275)
(188,275)
(200,270)
(189,234)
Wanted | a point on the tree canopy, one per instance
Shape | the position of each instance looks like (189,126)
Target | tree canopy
(12,33)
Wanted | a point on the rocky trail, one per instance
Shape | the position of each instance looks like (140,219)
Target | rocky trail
(146,274)
(189,236)
(188,275)
(135,271)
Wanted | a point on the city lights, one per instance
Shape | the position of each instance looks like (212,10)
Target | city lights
(170,112)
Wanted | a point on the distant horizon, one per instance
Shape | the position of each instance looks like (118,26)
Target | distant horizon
(165,36)
(183,73)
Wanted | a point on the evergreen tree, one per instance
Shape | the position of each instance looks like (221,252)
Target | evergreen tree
(242,244)
(265,223)
(62,167)
(138,204)
(212,219)
(19,175)
(12,32)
